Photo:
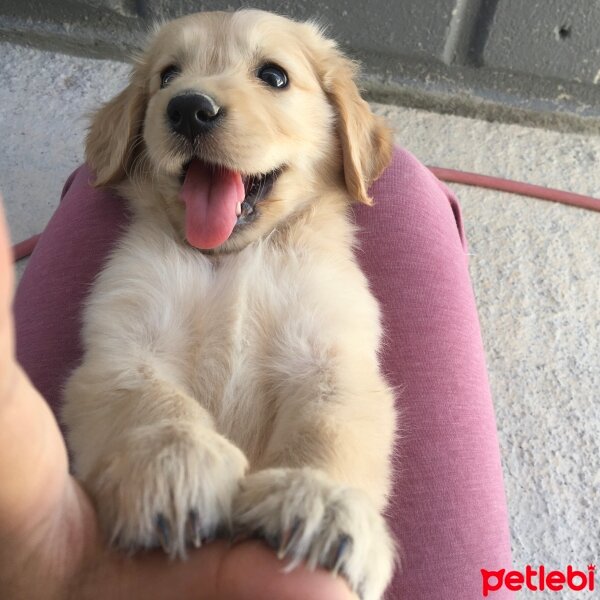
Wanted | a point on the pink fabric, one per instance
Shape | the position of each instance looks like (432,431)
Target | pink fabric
(448,510)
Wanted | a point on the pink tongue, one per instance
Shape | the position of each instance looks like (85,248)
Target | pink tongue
(210,195)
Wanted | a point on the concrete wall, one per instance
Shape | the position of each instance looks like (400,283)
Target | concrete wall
(518,60)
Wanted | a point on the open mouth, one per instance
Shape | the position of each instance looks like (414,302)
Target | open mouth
(218,200)
(256,187)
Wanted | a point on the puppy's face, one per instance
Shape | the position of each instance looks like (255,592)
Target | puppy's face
(238,120)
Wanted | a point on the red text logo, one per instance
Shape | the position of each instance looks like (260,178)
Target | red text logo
(538,580)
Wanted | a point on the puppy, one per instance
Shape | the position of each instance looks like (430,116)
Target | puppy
(230,382)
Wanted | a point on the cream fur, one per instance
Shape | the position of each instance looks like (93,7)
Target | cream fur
(214,383)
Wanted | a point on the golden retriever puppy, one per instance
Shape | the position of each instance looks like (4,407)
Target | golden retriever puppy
(230,382)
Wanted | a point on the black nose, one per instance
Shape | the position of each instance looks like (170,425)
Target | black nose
(192,114)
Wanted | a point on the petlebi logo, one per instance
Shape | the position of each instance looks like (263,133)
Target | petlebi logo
(538,580)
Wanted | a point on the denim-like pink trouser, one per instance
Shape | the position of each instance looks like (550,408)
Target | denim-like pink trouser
(448,508)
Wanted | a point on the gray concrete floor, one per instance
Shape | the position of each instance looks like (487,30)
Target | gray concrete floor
(535,268)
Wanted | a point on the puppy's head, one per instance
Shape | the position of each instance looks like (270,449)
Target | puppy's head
(235,121)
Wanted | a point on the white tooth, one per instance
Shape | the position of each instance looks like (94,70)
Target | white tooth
(238,209)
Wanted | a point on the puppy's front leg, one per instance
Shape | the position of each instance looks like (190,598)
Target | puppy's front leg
(149,456)
(325,475)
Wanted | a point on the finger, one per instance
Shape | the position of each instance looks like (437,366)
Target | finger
(6,292)
(33,460)
(246,571)
(251,570)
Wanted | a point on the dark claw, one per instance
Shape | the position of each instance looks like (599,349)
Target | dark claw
(237,533)
(289,539)
(221,531)
(163,531)
(272,540)
(193,531)
(360,591)
(116,541)
(344,545)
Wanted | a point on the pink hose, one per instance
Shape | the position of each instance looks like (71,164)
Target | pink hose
(25,248)
(516,187)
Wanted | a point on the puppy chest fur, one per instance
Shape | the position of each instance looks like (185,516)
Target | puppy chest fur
(253,337)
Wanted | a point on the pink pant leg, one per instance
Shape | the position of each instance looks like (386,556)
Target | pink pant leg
(49,298)
(448,509)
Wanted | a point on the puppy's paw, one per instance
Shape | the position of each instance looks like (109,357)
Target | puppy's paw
(306,517)
(170,486)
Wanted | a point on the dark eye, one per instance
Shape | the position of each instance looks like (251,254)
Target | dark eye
(274,76)
(168,75)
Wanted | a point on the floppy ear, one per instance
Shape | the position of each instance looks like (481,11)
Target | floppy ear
(109,146)
(366,140)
